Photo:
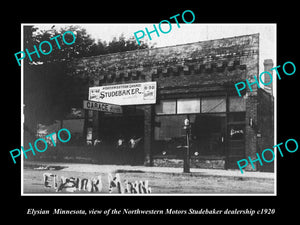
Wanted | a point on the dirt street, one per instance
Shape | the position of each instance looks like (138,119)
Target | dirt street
(160,183)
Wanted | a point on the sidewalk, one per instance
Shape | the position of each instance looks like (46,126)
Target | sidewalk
(81,167)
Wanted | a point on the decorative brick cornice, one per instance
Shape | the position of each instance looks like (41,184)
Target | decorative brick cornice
(188,59)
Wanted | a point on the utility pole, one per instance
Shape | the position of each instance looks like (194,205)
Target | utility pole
(186,161)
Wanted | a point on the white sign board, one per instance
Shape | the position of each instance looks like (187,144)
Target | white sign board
(125,94)
(104,107)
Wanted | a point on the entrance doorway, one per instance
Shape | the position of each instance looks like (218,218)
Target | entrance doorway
(236,144)
(236,139)
(118,134)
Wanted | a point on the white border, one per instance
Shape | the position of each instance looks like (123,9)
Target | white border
(22,111)
(201,194)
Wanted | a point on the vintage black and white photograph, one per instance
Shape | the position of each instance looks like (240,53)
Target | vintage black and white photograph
(148,109)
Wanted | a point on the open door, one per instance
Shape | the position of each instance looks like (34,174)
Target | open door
(125,127)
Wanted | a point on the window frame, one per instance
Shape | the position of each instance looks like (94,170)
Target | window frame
(199,99)
(162,114)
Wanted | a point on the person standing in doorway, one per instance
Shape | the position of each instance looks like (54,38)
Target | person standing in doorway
(121,150)
(97,142)
(133,143)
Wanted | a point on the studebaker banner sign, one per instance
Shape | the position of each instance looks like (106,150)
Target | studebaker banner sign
(125,94)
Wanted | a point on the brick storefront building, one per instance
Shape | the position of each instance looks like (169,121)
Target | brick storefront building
(194,80)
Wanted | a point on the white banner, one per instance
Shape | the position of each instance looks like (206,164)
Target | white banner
(125,94)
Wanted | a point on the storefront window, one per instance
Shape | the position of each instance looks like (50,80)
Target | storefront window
(207,119)
(168,127)
(237,104)
(186,106)
(169,135)
(213,104)
(165,107)
(208,133)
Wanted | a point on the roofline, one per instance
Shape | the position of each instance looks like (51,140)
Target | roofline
(148,49)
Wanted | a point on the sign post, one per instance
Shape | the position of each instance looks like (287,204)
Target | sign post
(186,160)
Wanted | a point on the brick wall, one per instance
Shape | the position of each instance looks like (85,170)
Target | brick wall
(259,136)
(266,126)
(211,62)
(250,134)
(207,67)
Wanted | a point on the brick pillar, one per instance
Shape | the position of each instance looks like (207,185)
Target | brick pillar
(250,136)
(96,117)
(95,125)
(147,135)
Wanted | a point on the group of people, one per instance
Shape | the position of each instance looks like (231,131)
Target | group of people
(123,150)
(132,143)
(127,151)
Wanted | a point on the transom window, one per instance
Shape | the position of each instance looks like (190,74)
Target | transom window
(199,105)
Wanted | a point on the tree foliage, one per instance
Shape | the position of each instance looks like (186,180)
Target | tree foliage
(49,93)
(84,45)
